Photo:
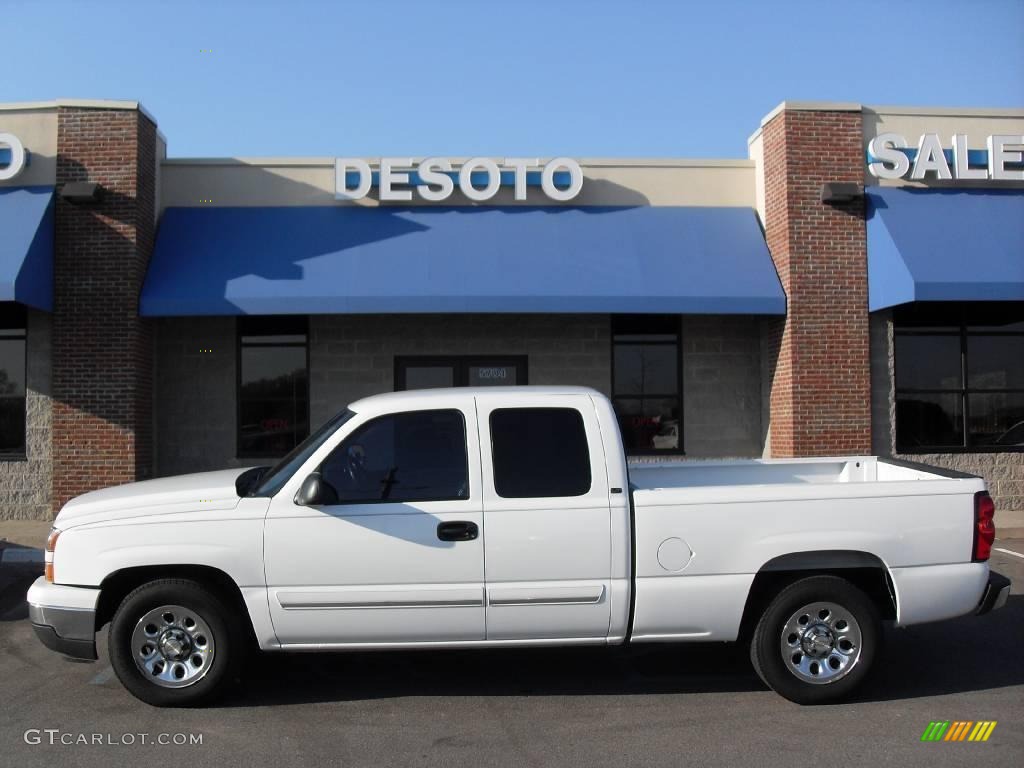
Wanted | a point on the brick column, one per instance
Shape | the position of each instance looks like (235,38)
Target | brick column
(102,349)
(820,399)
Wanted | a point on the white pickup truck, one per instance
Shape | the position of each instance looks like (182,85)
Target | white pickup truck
(508,517)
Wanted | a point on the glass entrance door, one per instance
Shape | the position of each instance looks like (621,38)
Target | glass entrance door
(465,371)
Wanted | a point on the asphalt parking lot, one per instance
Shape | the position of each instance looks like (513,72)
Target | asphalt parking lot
(656,706)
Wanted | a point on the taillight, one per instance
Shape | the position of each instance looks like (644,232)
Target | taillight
(984,526)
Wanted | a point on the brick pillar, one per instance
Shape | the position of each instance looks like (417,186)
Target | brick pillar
(819,355)
(102,349)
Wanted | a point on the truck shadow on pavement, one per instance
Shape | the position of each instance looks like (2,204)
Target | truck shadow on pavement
(967,654)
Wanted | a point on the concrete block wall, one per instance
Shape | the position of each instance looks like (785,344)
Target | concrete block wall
(1003,471)
(26,485)
(722,386)
(194,394)
(353,356)
(883,400)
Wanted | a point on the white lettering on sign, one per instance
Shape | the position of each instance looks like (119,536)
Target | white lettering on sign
(17,149)
(434,179)
(1003,160)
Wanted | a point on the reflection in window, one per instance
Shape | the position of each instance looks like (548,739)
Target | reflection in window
(273,385)
(402,457)
(645,382)
(960,386)
(12,379)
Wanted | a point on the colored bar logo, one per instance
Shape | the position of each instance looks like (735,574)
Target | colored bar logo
(959,730)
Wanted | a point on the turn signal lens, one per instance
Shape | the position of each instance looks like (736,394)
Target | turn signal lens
(51,545)
(984,526)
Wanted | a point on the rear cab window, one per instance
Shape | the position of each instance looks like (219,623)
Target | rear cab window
(539,453)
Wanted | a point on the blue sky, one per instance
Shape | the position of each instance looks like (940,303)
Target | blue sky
(453,77)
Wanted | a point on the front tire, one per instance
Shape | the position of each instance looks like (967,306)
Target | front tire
(174,642)
(817,640)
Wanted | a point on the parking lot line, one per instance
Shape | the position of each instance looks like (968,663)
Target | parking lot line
(1009,552)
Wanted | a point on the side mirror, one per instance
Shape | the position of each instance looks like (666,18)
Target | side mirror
(315,491)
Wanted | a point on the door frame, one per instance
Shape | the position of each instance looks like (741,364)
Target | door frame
(460,364)
(289,529)
(566,592)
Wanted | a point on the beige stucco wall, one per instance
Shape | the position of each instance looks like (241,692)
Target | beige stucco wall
(298,181)
(755,150)
(912,122)
(36,128)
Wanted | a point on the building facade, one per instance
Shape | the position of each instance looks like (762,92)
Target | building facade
(854,286)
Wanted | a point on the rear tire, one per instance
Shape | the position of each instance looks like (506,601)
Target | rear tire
(817,640)
(174,643)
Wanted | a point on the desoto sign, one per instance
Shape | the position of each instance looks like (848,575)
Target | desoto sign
(889,157)
(434,178)
(10,145)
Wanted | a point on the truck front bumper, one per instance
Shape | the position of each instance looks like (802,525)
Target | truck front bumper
(995,594)
(64,618)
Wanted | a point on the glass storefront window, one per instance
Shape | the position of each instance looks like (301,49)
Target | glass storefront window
(273,385)
(996,419)
(12,380)
(646,382)
(960,386)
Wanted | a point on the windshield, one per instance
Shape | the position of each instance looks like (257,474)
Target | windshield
(279,474)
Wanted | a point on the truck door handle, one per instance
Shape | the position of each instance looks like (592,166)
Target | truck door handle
(457,530)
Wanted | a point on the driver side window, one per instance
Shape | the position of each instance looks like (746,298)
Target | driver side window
(402,457)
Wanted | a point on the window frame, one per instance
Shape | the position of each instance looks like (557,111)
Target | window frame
(461,365)
(268,322)
(14,317)
(675,321)
(586,444)
(927,322)
(370,421)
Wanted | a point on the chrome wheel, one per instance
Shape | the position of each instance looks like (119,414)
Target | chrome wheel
(172,646)
(821,643)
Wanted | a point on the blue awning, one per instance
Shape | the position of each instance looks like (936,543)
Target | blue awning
(26,246)
(944,245)
(355,259)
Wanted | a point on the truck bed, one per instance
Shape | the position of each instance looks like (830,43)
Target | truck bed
(702,530)
(753,472)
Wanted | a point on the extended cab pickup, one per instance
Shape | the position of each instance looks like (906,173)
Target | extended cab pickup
(509,516)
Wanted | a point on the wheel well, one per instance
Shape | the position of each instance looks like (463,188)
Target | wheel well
(119,584)
(863,570)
